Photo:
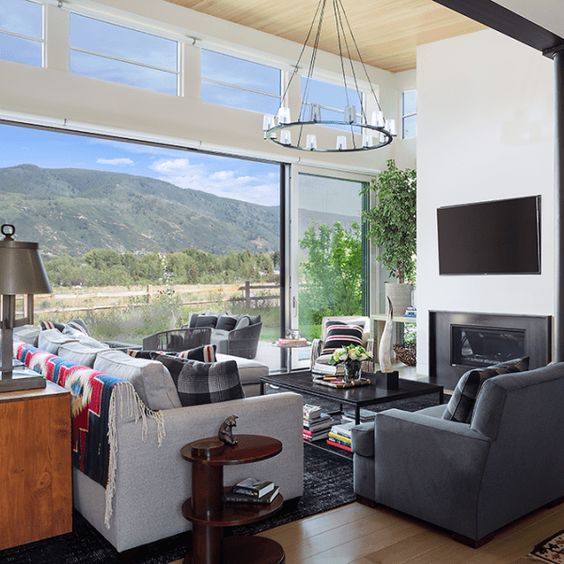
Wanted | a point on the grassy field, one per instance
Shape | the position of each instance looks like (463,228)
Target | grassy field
(128,314)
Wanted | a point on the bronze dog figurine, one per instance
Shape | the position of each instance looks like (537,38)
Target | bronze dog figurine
(225,433)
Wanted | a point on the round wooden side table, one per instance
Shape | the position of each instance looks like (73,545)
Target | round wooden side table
(208,513)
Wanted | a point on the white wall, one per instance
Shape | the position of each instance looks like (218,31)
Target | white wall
(63,98)
(485,132)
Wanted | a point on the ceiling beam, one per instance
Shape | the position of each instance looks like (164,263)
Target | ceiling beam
(507,22)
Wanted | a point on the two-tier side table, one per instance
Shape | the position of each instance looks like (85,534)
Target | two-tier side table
(209,514)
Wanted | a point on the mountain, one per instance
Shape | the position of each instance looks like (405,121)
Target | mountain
(69,211)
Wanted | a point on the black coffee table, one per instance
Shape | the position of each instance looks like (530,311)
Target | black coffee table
(303,383)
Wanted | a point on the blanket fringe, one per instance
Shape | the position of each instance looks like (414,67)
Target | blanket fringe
(125,399)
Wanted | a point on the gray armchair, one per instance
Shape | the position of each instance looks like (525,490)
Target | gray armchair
(178,340)
(472,478)
(241,342)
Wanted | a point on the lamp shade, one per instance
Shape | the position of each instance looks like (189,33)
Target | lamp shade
(21,267)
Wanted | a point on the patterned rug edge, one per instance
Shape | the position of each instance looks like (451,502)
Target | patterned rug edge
(535,553)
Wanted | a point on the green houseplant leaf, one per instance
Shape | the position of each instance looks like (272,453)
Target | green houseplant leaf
(391,222)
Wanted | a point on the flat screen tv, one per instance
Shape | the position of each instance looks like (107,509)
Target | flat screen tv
(498,237)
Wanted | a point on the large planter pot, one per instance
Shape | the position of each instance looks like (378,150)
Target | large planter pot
(400,296)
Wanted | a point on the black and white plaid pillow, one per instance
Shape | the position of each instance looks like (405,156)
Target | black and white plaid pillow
(202,382)
(460,408)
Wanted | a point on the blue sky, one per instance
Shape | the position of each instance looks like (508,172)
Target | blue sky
(227,177)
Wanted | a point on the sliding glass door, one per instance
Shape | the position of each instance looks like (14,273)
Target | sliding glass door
(331,275)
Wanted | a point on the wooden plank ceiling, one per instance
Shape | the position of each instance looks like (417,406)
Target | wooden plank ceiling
(387,31)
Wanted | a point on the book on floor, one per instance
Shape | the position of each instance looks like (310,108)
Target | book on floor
(365,416)
(333,443)
(232,497)
(253,487)
(311,411)
(343,429)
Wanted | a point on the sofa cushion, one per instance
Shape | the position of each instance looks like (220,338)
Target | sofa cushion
(254,319)
(226,323)
(51,339)
(27,334)
(80,353)
(342,335)
(250,371)
(244,321)
(203,382)
(433,411)
(460,408)
(78,325)
(150,378)
(205,353)
(363,439)
(206,321)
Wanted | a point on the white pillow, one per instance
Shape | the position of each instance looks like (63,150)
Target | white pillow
(150,378)
(52,339)
(81,353)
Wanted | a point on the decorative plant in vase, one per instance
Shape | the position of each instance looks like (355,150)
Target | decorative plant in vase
(391,225)
(352,356)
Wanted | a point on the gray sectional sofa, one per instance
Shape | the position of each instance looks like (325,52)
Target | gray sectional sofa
(472,478)
(152,481)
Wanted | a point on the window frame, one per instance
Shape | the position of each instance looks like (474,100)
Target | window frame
(24,37)
(234,86)
(178,72)
(336,83)
(405,115)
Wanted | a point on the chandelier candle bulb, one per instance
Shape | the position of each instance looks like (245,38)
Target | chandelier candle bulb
(391,127)
(311,142)
(367,140)
(341,142)
(286,137)
(315,112)
(383,138)
(377,119)
(284,115)
(267,122)
(350,114)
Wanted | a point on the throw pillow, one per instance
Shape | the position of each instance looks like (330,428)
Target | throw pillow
(244,321)
(200,383)
(226,323)
(339,336)
(78,325)
(147,355)
(47,325)
(205,353)
(461,405)
(206,321)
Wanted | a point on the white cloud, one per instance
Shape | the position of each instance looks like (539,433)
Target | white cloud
(116,162)
(260,189)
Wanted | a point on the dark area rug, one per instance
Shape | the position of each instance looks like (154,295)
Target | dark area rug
(327,485)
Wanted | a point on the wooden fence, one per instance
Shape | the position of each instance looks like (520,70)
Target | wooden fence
(144,297)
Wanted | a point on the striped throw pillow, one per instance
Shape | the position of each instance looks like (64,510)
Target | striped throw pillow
(340,336)
(461,405)
(205,353)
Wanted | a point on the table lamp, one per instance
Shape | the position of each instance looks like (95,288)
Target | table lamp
(21,273)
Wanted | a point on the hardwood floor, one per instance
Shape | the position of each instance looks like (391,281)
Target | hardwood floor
(355,534)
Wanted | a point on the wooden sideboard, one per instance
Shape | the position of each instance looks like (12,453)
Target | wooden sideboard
(35,465)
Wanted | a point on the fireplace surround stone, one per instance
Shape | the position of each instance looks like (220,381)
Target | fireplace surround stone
(460,341)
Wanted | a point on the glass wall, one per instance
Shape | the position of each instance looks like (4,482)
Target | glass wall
(331,254)
(136,238)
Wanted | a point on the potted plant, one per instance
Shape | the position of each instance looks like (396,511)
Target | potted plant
(352,356)
(391,225)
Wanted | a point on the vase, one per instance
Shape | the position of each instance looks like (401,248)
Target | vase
(352,370)
(399,295)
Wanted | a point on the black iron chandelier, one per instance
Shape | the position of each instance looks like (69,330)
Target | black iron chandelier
(356,131)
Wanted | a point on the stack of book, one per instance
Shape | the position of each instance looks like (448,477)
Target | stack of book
(251,490)
(365,416)
(340,436)
(316,423)
(328,370)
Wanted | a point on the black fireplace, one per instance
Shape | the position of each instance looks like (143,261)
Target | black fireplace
(460,341)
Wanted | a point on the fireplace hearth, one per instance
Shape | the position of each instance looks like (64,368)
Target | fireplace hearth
(460,341)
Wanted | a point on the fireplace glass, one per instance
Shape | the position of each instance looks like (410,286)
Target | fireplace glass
(481,346)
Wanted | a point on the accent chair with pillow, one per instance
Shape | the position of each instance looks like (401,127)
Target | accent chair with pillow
(340,331)
(236,335)
(493,455)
